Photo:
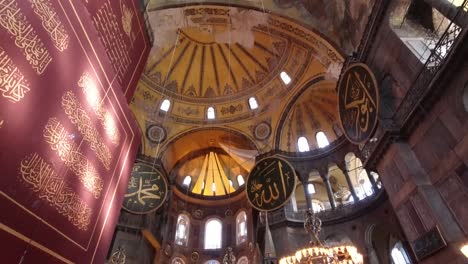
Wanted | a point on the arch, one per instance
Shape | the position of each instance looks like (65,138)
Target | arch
(253,104)
(240,180)
(322,140)
(213,234)
(187,181)
(177,260)
(303,144)
(358,176)
(212,261)
(165,105)
(210,113)
(241,227)
(399,255)
(243,260)
(182,230)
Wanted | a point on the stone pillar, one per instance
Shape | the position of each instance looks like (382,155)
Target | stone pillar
(326,181)
(307,195)
(343,168)
(372,180)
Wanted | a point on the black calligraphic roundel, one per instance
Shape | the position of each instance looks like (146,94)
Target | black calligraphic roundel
(270,184)
(358,103)
(147,190)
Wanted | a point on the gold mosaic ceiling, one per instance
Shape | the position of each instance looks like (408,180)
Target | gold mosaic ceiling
(218,56)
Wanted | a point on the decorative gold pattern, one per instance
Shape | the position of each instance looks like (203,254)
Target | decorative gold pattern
(111,36)
(26,38)
(95,101)
(51,23)
(12,82)
(83,122)
(58,139)
(42,179)
(127,16)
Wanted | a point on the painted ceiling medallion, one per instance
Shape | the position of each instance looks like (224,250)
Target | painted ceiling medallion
(262,131)
(156,134)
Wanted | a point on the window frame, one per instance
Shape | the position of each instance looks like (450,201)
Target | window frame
(241,218)
(185,239)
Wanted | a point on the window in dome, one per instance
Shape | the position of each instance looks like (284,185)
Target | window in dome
(399,255)
(166,104)
(317,206)
(303,144)
(285,78)
(187,181)
(240,180)
(212,262)
(210,113)
(213,187)
(213,234)
(253,103)
(241,227)
(311,188)
(182,230)
(322,139)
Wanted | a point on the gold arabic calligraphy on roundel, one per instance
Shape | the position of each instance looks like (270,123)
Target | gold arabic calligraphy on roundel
(270,184)
(358,103)
(146,191)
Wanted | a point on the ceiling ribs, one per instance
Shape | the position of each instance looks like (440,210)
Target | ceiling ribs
(228,66)
(202,70)
(176,62)
(252,57)
(169,51)
(240,63)
(189,67)
(260,46)
(215,71)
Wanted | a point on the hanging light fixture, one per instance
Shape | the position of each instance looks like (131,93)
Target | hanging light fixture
(317,253)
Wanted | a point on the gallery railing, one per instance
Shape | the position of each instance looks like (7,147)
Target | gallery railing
(420,87)
(340,213)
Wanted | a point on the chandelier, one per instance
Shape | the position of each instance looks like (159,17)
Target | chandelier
(317,253)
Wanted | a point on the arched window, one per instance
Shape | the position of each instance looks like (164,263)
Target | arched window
(310,188)
(240,180)
(285,78)
(241,227)
(177,260)
(212,262)
(213,234)
(182,230)
(187,181)
(317,206)
(210,113)
(165,105)
(302,144)
(322,140)
(399,255)
(253,103)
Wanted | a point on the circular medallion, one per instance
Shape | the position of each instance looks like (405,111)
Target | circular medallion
(198,214)
(194,256)
(270,183)
(358,103)
(262,131)
(156,134)
(147,190)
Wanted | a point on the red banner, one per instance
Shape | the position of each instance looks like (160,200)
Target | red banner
(67,137)
(121,29)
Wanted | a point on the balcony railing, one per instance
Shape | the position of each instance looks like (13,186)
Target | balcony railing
(340,213)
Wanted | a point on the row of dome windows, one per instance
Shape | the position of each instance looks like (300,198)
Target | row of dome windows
(188,179)
(210,112)
(303,144)
(213,231)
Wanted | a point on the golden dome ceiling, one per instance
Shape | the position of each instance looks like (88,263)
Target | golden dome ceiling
(219,56)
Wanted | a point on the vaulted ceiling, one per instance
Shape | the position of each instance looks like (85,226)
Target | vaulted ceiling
(220,56)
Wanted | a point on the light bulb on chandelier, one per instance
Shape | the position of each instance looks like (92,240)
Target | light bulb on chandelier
(317,253)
